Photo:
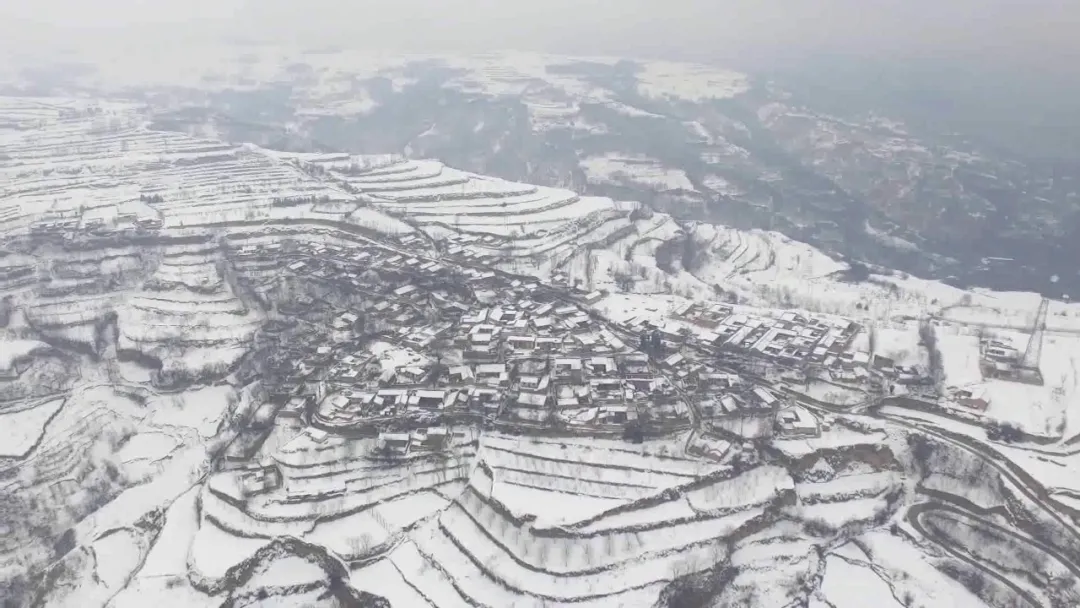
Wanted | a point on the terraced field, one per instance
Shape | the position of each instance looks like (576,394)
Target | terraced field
(600,475)
(186,315)
(336,493)
(527,228)
(99,465)
(550,521)
(567,522)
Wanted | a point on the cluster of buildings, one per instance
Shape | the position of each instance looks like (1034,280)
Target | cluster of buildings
(427,342)
(998,359)
(801,346)
(526,363)
(73,223)
(790,339)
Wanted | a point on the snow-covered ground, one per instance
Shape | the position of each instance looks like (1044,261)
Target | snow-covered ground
(690,82)
(851,584)
(24,428)
(641,170)
(506,520)
(1050,410)
(99,156)
(12,350)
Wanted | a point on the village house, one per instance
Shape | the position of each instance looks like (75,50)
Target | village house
(149,223)
(601,366)
(796,421)
(976,399)
(521,343)
(731,403)
(388,397)
(342,327)
(548,345)
(571,395)
(577,322)
(593,297)
(534,383)
(426,336)
(674,361)
(486,400)
(432,439)
(406,292)
(614,414)
(460,374)
(613,341)
(410,374)
(394,444)
(532,367)
(295,406)
(505,316)
(482,335)
(568,370)
(711,381)
(428,399)
(884,364)
(763,398)
(635,365)
(492,374)
(608,389)
(258,480)
(481,354)
(566,311)
(529,399)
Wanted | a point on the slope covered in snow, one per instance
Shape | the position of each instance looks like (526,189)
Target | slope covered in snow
(204,323)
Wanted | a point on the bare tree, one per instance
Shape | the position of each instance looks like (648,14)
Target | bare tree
(567,551)
(587,552)
(609,544)
(928,340)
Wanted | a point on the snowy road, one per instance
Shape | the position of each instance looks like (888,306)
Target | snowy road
(915,518)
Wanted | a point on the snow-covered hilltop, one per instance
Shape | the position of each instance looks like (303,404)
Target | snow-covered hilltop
(234,375)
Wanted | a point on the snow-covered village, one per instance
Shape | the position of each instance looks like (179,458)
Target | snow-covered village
(236,376)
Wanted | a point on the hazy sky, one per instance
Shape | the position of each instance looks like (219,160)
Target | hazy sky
(1022,32)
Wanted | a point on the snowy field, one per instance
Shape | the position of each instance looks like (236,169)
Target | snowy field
(12,350)
(1051,410)
(690,82)
(496,520)
(641,170)
(100,156)
(24,429)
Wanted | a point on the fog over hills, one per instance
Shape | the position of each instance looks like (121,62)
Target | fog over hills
(703,144)
(286,327)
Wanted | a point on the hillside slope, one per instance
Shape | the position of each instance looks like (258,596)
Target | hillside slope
(699,142)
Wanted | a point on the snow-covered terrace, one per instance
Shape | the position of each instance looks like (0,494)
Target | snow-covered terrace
(614,559)
(71,310)
(472,188)
(101,161)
